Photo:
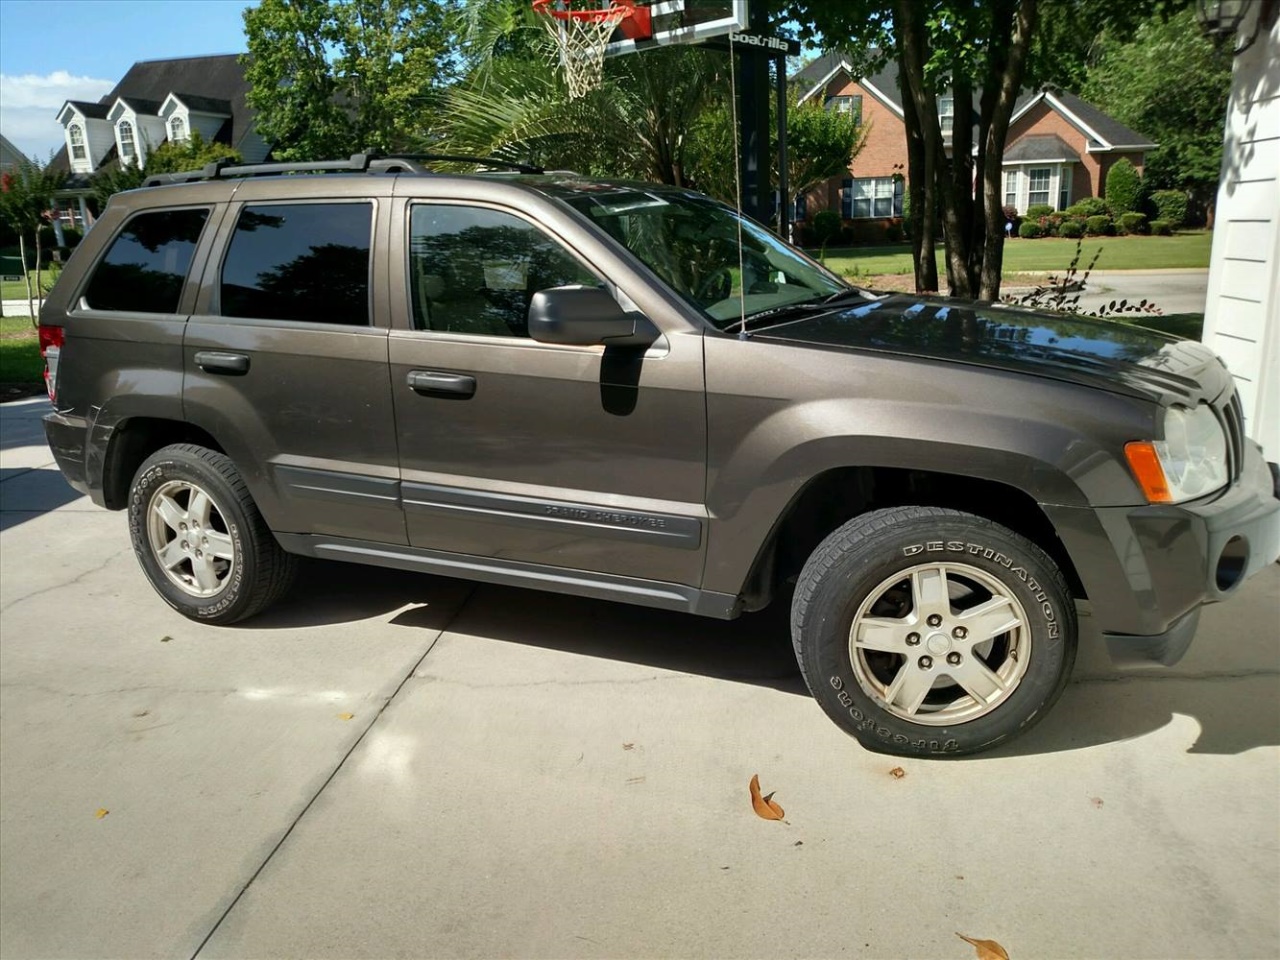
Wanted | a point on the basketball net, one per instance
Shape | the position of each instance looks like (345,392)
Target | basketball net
(581,31)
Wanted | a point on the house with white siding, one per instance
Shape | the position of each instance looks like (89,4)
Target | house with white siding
(155,102)
(1242,311)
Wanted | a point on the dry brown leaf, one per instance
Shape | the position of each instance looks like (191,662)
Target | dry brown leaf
(101,812)
(765,807)
(897,773)
(628,746)
(346,716)
(985,949)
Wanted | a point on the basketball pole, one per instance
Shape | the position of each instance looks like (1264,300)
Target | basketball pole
(755,193)
(753,117)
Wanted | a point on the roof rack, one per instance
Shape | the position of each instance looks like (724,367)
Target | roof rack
(357,163)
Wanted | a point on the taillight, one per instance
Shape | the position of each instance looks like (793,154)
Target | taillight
(51,348)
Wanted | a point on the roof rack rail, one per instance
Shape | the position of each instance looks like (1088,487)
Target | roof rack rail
(454,158)
(357,163)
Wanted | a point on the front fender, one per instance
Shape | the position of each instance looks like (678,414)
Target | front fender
(1058,443)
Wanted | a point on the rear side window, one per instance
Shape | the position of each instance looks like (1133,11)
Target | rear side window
(306,262)
(147,263)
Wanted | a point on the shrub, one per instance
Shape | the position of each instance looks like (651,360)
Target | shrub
(1073,229)
(1099,226)
(1087,207)
(894,233)
(1132,223)
(72,236)
(869,231)
(1124,187)
(1170,205)
(1029,230)
(1161,228)
(826,225)
(1038,210)
(1048,226)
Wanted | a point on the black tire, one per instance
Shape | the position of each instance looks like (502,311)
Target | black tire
(978,563)
(255,572)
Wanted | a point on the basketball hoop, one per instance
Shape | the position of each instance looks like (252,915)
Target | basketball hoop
(581,30)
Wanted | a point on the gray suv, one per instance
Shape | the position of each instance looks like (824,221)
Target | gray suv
(625,391)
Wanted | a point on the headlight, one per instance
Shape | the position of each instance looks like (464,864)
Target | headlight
(1190,462)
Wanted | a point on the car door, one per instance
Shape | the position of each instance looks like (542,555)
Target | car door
(576,457)
(285,364)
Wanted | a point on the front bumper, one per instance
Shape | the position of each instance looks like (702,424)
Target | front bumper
(1148,570)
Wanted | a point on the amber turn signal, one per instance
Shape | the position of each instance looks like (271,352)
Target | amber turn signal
(1145,464)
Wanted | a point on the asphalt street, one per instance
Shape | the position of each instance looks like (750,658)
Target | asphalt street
(1172,291)
(390,765)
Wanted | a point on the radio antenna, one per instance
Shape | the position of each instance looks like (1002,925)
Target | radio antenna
(737,192)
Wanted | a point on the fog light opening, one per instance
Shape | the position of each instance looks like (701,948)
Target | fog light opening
(1232,562)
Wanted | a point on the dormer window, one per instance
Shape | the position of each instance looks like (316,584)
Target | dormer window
(127,149)
(75,134)
(177,129)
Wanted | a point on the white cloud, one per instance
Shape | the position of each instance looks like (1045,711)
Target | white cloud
(29,106)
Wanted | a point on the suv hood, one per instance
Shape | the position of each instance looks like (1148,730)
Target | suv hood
(1098,353)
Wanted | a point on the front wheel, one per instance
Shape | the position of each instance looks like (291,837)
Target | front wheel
(931,632)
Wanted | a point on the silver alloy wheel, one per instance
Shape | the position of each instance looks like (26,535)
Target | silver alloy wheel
(940,643)
(189,538)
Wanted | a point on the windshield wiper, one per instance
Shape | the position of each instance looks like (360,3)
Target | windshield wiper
(842,294)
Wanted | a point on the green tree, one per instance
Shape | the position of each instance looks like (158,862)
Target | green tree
(984,54)
(513,103)
(334,77)
(170,157)
(1172,84)
(821,144)
(26,202)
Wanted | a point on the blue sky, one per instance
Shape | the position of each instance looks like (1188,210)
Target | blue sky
(57,50)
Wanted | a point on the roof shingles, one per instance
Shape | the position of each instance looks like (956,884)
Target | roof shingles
(1112,131)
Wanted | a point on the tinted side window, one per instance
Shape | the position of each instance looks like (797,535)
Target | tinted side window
(146,265)
(307,262)
(473,270)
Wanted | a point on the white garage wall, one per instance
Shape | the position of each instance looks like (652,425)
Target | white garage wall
(1242,318)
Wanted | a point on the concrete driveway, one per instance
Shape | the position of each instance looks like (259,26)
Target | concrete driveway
(401,766)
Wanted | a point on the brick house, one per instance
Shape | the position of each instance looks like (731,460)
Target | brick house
(1059,147)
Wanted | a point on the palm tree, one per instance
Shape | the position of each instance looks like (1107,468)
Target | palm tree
(513,102)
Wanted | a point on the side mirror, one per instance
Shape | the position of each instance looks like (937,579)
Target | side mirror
(586,316)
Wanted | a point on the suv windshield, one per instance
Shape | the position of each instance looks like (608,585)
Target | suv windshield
(691,242)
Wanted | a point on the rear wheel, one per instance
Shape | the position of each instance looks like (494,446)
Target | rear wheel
(200,538)
(930,632)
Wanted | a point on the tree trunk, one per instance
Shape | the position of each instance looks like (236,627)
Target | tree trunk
(34,320)
(1007,62)
(922,152)
(962,275)
(26,277)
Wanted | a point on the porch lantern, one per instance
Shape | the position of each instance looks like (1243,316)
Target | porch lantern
(1221,19)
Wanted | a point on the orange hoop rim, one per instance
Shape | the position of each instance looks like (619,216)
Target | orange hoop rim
(618,10)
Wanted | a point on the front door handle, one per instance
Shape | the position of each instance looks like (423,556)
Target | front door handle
(438,384)
(215,361)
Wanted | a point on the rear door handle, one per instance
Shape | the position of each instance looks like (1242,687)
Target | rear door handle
(214,361)
(436,383)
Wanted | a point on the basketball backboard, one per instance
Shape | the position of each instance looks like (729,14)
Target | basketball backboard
(677,21)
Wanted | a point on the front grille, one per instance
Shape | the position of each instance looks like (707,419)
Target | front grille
(1233,419)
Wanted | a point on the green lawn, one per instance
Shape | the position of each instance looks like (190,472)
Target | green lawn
(1184,250)
(17,290)
(20,360)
